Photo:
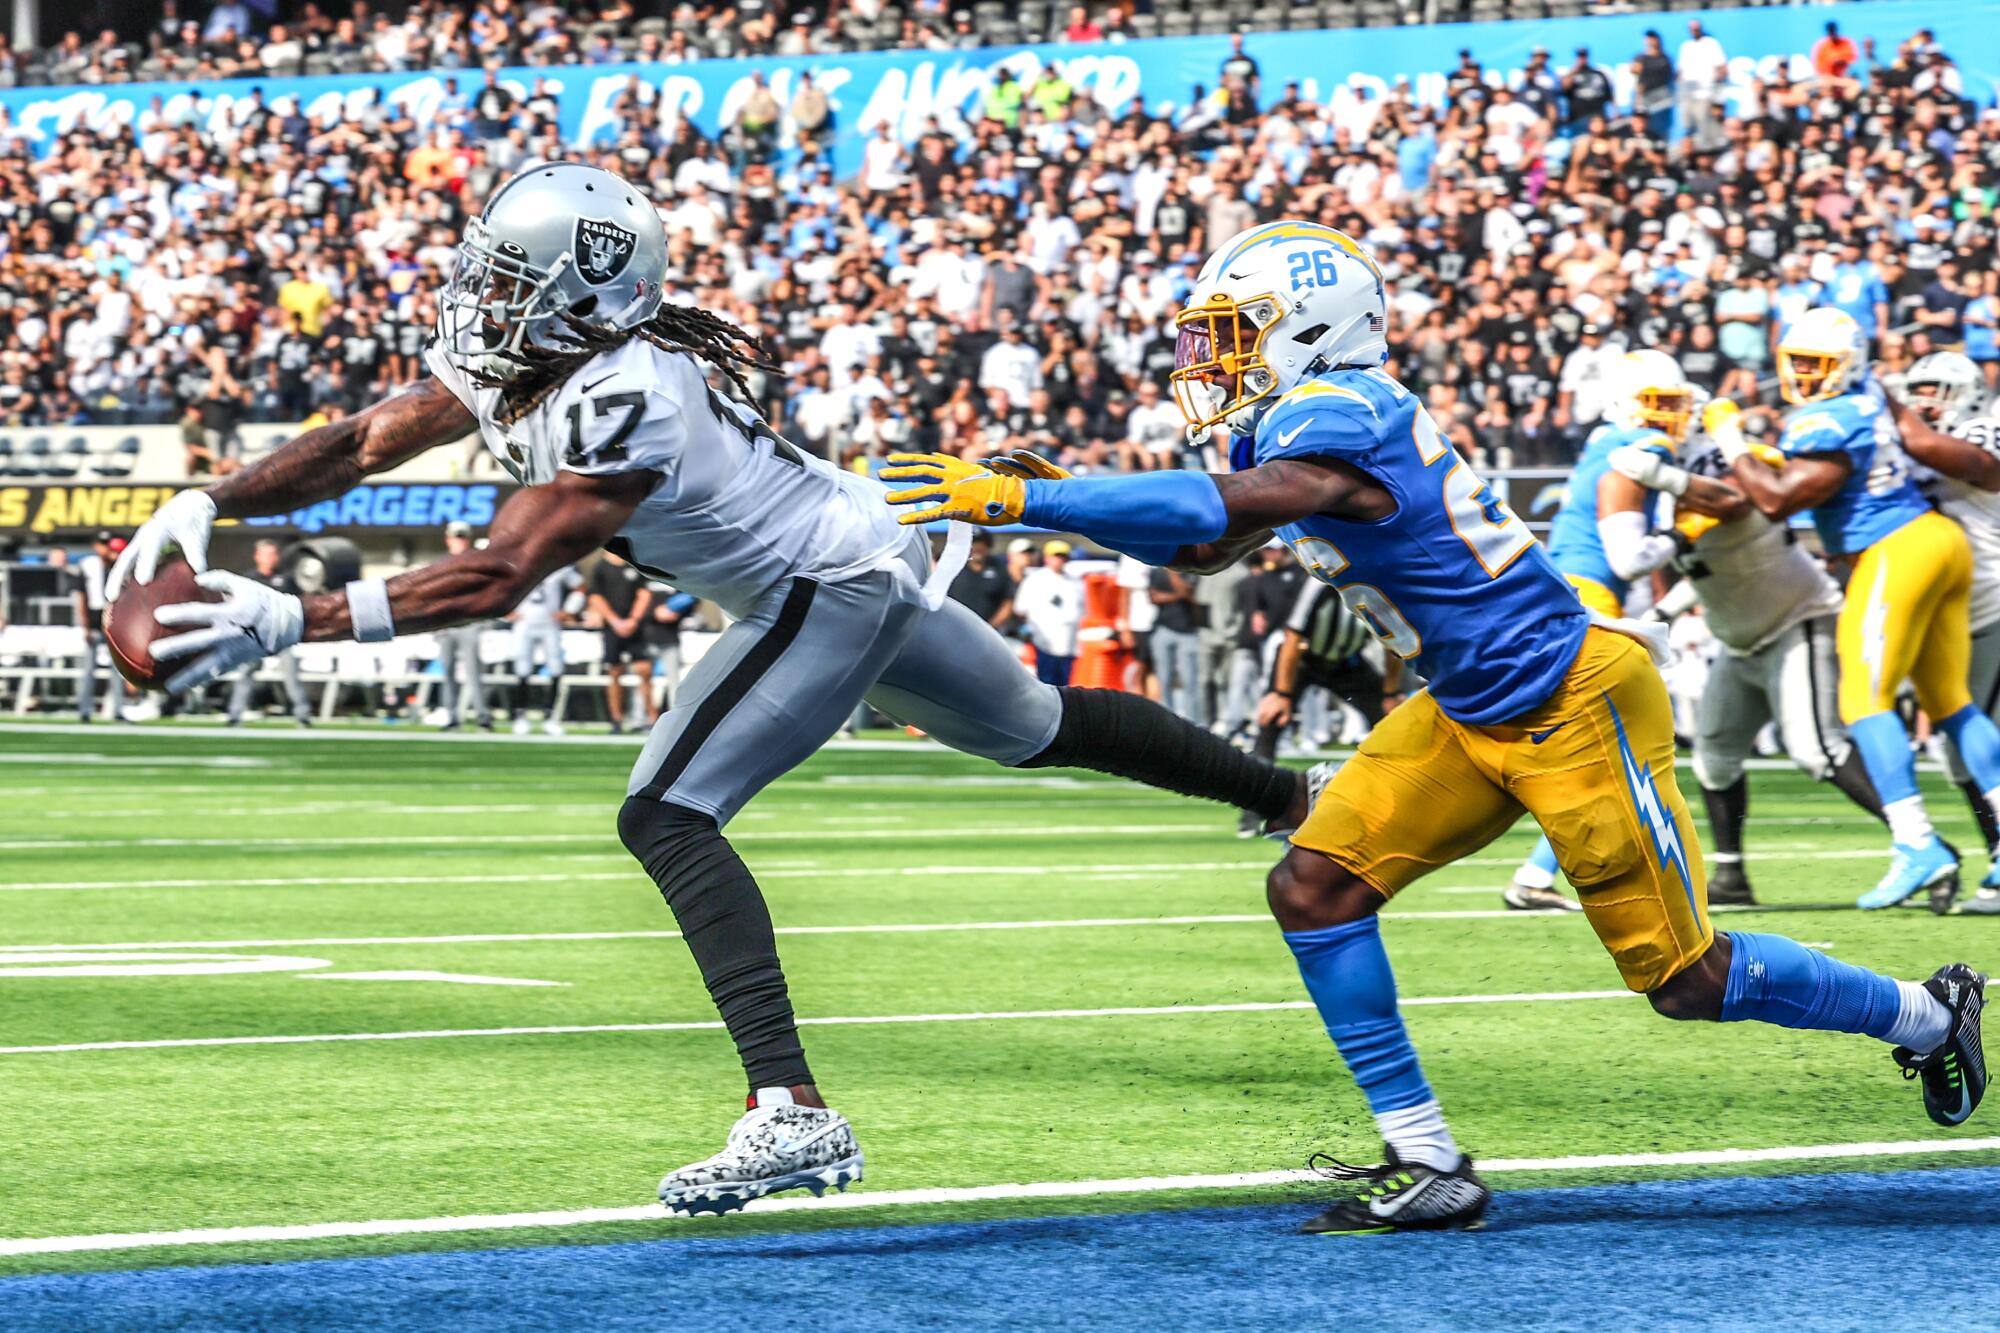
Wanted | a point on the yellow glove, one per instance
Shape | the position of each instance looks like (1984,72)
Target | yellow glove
(1692,525)
(1027,465)
(961,490)
(1764,452)
(1721,412)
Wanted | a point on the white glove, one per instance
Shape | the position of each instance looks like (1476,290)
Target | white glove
(253,621)
(1648,469)
(183,521)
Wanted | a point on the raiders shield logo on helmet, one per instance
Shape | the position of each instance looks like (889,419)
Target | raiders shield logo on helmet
(602,250)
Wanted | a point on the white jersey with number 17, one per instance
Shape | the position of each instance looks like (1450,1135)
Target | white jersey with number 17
(736,507)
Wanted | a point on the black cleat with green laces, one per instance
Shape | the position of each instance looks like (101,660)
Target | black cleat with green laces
(1400,1197)
(1954,1075)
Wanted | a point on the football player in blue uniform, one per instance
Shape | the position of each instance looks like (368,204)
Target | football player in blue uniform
(1534,703)
(1603,538)
(1907,614)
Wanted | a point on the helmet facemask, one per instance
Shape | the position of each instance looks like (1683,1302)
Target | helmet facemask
(1220,371)
(496,304)
(1808,376)
(1667,410)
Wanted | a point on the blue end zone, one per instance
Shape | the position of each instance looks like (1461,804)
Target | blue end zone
(1798,1252)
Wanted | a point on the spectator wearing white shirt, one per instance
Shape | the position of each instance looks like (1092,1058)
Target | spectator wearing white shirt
(1702,65)
(1049,601)
(1154,432)
(1584,390)
(881,162)
(1011,366)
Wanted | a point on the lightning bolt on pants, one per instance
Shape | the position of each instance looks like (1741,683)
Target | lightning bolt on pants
(1425,790)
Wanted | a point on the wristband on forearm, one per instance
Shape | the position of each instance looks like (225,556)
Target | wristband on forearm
(368,608)
(1154,510)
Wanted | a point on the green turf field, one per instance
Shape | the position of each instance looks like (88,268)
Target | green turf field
(226,884)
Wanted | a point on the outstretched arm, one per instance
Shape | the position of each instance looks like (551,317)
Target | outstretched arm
(540,530)
(1155,516)
(318,465)
(329,460)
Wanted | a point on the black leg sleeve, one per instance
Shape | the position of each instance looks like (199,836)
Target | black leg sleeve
(1727,807)
(722,917)
(1851,776)
(1111,731)
(1989,829)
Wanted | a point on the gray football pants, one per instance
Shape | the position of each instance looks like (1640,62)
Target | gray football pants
(781,681)
(1794,681)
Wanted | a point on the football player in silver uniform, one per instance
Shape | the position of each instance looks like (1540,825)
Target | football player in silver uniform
(1772,609)
(1948,431)
(554,345)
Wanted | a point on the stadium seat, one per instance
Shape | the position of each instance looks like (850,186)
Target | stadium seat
(654,24)
(62,463)
(34,457)
(117,461)
(7,468)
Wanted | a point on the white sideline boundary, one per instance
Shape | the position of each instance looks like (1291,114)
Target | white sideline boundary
(712,1025)
(887,1199)
(893,928)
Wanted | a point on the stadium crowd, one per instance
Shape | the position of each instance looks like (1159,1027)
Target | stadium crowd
(1010,281)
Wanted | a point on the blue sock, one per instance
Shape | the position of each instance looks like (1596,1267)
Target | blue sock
(1885,753)
(1978,742)
(1776,980)
(1543,858)
(1346,972)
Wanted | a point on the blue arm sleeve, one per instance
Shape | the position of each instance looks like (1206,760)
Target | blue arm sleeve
(1142,515)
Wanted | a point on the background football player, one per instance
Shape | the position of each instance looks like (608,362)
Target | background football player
(1958,444)
(1534,704)
(554,345)
(1602,538)
(1773,610)
(1906,614)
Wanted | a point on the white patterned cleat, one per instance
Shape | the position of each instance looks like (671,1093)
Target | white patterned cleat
(771,1148)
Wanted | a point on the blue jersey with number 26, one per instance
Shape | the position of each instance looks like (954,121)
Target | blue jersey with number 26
(1452,581)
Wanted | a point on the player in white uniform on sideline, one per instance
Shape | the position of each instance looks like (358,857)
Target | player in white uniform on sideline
(538,628)
(1957,440)
(1772,609)
(553,343)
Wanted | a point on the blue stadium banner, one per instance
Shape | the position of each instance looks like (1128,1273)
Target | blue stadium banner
(909,89)
(70,507)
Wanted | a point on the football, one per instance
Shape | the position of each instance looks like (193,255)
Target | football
(129,627)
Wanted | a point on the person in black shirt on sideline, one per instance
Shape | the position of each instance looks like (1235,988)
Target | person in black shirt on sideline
(984,587)
(1325,644)
(622,601)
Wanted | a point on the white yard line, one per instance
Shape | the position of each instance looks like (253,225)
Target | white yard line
(893,928)
(1082,870)
(634,873)
(907,1198)
(897,928)
(707,1025)
(911,830)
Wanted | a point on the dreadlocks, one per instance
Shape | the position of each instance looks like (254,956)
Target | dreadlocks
(699,333)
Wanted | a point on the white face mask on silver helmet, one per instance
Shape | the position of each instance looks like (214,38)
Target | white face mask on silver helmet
(559,239)
(1944,388)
